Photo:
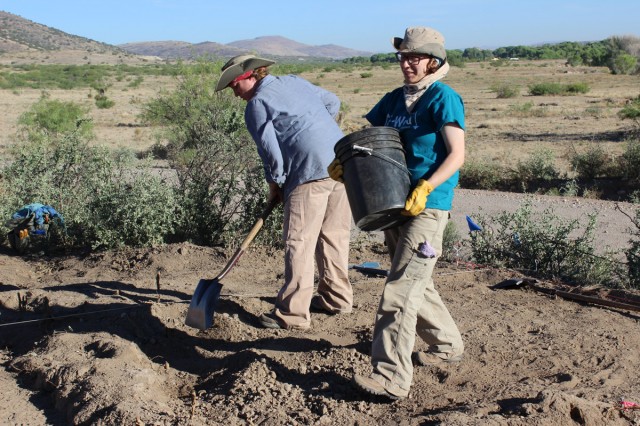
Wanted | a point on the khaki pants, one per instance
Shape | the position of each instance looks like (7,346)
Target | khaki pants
(410,304)
(317,224)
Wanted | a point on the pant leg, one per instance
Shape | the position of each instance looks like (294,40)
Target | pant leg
(404,300)
(303,216)
(332,250)
(435,325)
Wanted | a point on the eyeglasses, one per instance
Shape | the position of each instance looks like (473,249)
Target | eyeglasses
(411,59)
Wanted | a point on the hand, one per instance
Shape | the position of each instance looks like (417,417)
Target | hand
(335,170)
(417,199)
(275,192)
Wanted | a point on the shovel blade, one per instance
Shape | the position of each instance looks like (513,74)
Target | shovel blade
(203,303)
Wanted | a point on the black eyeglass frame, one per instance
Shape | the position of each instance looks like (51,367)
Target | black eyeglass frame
(411,59)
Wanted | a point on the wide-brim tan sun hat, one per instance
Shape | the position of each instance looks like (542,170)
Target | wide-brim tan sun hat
(239,65)
(421,40)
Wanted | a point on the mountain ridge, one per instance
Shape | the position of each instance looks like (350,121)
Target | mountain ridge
(18,34)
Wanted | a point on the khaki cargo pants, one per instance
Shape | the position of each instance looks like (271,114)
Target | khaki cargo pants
(317,224)
(410,304)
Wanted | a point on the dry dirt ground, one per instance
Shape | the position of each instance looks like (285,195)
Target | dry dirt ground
(99,338)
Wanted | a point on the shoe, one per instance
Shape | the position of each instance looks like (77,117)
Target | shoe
(371,386)
(268,320)
(318,305)
(432,358)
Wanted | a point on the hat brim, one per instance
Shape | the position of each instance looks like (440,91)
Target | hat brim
(395,41)
(236,70)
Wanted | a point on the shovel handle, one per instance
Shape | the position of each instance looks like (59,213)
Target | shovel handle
(249,238)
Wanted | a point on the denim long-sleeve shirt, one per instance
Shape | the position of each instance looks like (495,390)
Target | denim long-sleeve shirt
(293,125)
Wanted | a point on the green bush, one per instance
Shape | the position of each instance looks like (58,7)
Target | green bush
(540,166)
(633,254)
(102,197)
(504,90)
(545,246)
(103,102)
(550,89)
(220,180)
(631,110)
(575,88)
(133,208)
(52,117)
(451,241)
(479,174)
(630,159)
(623,63)
(594,162)
(366,75)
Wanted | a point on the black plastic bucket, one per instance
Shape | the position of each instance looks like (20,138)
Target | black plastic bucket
(375,176)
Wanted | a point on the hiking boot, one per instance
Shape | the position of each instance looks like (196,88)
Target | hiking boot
(433,358)
(268,320)
(318,305)
(371,386)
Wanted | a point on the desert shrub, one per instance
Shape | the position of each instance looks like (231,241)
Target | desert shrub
(52,117)
(594,162)
(574,88)
(135,83)
(542,89)
(504,90)
(527,110)
(366,74)
(633,254)
(521,108)
(544,245)
(631,110)
(61,169)
(479,174)
(451,241)
(623,63)
(540,166)
(132,208)
(103,102)
(220,182)
(629,160)
(40,76)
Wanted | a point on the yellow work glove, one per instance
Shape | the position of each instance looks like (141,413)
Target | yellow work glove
(335,170)
(417,199)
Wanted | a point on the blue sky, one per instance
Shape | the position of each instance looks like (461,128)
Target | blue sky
(365,25)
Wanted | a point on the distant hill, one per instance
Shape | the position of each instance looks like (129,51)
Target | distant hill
(18,34)
(22,35)
(272,46)
(180,49)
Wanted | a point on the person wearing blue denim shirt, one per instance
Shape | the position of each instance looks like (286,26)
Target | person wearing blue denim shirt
(293,124)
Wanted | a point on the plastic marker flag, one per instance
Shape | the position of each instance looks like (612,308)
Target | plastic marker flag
(472,225)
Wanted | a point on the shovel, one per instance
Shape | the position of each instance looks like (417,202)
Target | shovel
(203,302)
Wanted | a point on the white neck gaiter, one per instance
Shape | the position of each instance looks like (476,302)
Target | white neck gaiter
(413,92)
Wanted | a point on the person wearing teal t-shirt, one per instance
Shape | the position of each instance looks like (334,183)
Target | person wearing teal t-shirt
(429,116)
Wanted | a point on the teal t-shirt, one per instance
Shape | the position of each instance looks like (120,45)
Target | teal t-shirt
(420,133)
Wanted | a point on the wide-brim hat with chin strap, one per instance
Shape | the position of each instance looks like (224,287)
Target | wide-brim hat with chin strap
(421,40)
(239,65)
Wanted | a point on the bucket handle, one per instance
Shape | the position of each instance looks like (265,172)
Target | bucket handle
(370,151)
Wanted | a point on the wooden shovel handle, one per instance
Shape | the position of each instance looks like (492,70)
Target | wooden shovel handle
(249,238)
